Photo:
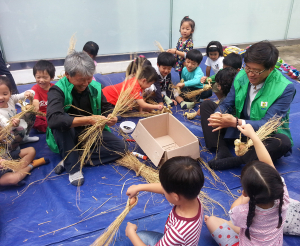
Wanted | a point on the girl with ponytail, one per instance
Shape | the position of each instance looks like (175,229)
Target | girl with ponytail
(257,215)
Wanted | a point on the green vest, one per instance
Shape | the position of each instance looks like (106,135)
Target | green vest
(272,89)
(67,87)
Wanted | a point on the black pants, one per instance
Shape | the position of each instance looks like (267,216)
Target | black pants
(6,72)
(66,140)
(277,145)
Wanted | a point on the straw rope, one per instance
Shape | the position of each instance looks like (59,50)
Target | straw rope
(192,94)
(161,49)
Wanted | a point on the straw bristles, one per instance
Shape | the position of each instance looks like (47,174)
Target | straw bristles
(192,94)
(72,44)
(14,165)
(161,49)
(263,133)
(107,237)
(131,162)
(190,116)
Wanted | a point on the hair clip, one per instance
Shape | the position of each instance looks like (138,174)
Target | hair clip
(186,16)
(213,46)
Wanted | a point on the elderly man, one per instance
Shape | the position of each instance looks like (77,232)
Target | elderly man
(77,88)
(257,94)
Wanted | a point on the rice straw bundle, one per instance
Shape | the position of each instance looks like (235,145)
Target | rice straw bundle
(192,94)
(190,116)
(138,114)
(131,162)
(263,133)
(161,49)
(29,106)
(206,201)
(108,235)
(14,165)
(72,44)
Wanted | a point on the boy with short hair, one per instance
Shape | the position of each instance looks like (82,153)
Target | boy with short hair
(165,63)
(44,72)
(191,74)
(181,180)
(146,78)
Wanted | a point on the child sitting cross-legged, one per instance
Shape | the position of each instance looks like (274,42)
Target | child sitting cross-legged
(257,216)
(181,181)
(44,72)
(191,74)
(145,79)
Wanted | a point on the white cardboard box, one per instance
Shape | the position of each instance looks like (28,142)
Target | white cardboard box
(162,137)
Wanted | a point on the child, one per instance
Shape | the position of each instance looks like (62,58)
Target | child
(134,65)
(184,44)
(214,52)
(191,74)
(21,127)
(181,181)
(91,48)
(257,215)
(146,78)
(44,72)
(222,85)
(8,177)
(231,60)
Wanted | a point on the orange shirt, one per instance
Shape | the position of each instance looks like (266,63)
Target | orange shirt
(112,92)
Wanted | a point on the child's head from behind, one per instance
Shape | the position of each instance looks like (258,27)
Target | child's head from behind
(147,76)
(44,72)
(135,64)
(214,50)
(165,62)
(181,176)
(91,48)
(5,91)
(193,60)
(233,60)
(187,27)
(263,185)
(224,79)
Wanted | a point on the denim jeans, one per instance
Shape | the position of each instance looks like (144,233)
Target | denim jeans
(150,237)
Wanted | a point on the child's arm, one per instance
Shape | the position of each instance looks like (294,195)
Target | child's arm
(208,71)
(154,187)
(36,104)
(131,234)
(240,201)
(261,151)
(145,105)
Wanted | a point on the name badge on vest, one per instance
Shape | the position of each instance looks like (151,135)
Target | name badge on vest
(264,105)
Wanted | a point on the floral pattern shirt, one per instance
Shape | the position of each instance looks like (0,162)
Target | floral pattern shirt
(183,46)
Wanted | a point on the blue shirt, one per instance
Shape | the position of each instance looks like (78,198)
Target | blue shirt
(192,79)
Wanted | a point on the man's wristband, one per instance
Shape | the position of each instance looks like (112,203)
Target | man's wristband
(237,121)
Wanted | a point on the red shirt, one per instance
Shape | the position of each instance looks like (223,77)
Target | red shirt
(112,92)
(42,96)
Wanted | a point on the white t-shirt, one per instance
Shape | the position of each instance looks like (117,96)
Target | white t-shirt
(215,65)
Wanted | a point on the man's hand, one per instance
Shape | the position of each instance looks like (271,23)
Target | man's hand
(220,121)
(130,228)
(15,122)
(203,79)
(112,121)
(95,118)
(180,85)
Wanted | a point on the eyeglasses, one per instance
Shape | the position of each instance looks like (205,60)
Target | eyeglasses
(247,70)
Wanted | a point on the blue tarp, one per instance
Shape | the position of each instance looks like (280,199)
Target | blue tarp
(29,212)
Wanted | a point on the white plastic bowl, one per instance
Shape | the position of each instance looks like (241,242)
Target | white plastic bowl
(127,126)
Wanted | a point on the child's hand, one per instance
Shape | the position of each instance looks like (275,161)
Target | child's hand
(132,191)
(172,51)
(159,107)
(203,79)
(174,101)
(130,228)
(28,94)
(15,122)
(180,85)
(247,130)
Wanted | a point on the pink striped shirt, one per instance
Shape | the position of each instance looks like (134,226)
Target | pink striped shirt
(263,230)
(182,231)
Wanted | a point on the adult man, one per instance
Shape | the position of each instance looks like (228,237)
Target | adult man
(257,94)
(78,89)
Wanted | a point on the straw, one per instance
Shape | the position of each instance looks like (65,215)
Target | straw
(72,44)
(192,94)
(263,133)
(107,237)
(14,165)
(161,49)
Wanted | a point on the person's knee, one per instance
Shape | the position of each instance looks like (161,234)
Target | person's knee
(207,107)
(283,142)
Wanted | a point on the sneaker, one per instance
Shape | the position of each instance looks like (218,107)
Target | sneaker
(76,179)
(278,63)
(59,168)
(187,105)
(295,75)
(284,65)
(292,71)
(28,139)
(286,69)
